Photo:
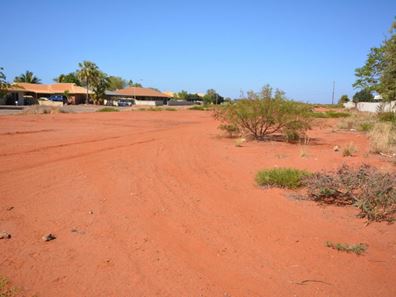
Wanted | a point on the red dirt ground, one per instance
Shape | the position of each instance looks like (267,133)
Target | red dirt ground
(162,206)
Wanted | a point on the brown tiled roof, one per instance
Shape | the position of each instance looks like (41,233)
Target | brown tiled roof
(141,92)
(57,88)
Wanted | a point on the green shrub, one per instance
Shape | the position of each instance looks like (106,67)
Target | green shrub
(264,114)
(357,249)
(371,191)
(281,177)
(387,116)
(170,109)
(108,109)
(365,126)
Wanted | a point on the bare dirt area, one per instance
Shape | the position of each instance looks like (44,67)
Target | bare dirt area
(157,204)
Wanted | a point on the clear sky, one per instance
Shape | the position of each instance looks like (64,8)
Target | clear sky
(298,46)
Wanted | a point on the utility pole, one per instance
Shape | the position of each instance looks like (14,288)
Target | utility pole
(332,97)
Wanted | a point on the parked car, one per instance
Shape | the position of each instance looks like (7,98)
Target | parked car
(58,98)
(123,102)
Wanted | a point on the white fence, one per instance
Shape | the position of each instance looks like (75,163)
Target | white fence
(372,106)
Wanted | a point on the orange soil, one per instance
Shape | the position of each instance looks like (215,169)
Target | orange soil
(175,211)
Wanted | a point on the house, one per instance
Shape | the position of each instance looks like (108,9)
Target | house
(27,93)
(143,96)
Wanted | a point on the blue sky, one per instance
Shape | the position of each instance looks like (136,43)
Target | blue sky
(297,46)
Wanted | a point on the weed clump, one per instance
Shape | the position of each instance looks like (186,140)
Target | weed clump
(108,109)
(357,249)
(289,178)
(349,150)
(371,191)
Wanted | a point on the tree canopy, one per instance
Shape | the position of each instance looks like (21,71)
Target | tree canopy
(212,97)
(379,72)
(27,77)
(68,78)
(364,95)
(3,83)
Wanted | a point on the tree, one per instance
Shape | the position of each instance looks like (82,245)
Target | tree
(211,97)
(343,99)
(132,84)
(100,85)
(364,95)
(89,73)
(27,77)
(116,83)
(379,72)
(3,83)
(68,78)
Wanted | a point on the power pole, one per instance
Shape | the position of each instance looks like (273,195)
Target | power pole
(332,97)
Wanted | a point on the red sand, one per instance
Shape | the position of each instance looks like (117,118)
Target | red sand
(175,212)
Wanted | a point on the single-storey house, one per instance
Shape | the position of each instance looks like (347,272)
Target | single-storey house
(27,93)
(143,96)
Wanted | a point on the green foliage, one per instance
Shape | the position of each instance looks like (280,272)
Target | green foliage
(212,97)
(365,126)
(387,116)
(88,73)
(263,114)
(330,114)
(364,95)
(116,83)
(27,77)
(281,177)
(108,109)
(371,191)
(68,78)
(343,99)
(132,84)
(184,95)
(3,83)
(379,72)
(357,249)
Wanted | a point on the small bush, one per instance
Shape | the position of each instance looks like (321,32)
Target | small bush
(6,289)
(387,116)
(365,127)
(239,142)
(281,177)
(231,130)
(349,150)
(371,191)
(170,109)
(108,109)
(357,249)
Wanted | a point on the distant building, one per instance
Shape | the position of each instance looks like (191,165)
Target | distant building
(27,93)
(142,96)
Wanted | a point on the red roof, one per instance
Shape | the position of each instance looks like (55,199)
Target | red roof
(141,92)
(57,88)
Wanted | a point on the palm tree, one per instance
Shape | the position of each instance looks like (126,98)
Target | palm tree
(89,73)
(27,77)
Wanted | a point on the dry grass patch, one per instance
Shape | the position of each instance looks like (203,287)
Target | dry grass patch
(357,249)
(383,138)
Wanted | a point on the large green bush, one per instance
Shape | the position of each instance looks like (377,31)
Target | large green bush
(264,114)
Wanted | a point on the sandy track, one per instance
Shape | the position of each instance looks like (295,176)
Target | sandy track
(175,212)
